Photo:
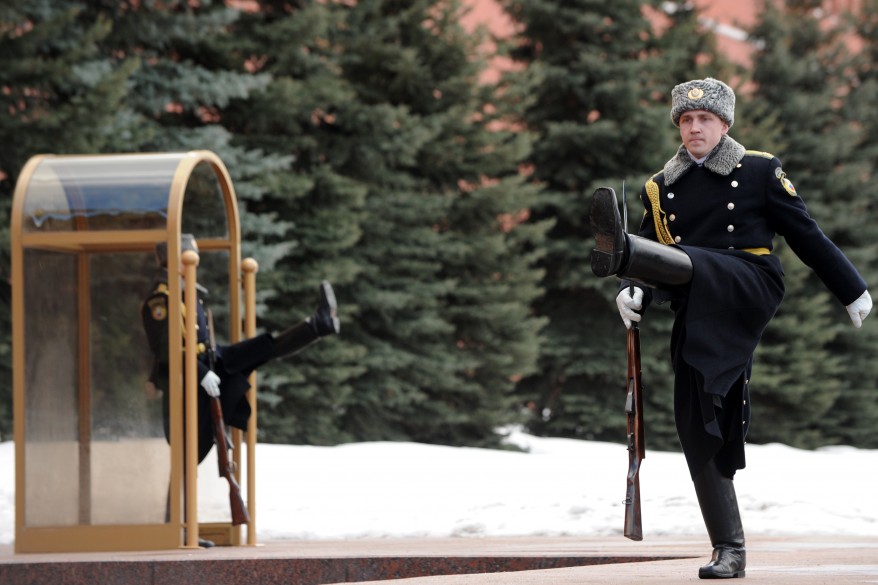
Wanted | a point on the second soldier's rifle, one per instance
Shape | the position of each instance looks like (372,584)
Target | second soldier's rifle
(634,411)
(226,466)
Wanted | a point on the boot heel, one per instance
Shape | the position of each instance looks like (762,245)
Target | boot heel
(725,564)
(601,263)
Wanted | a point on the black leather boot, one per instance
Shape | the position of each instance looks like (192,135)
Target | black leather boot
(637,259)
(322,323)
(609,255)
(719,507)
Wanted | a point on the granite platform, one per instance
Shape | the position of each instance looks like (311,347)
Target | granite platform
(453,561)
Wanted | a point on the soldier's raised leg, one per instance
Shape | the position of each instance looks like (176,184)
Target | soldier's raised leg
(628,256)
(323,322)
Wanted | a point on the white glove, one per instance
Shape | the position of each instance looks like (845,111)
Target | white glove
(211,383)
(628,304)
(859,309)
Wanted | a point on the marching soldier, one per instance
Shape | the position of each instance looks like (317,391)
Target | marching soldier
(235,362)
(705,244)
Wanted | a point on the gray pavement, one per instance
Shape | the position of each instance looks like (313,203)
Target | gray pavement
(800,560)
(771,560)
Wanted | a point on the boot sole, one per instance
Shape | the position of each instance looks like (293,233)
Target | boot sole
(604,224)
(735,575)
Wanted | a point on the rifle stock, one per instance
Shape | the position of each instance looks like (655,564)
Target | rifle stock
(636,445)
(226,467)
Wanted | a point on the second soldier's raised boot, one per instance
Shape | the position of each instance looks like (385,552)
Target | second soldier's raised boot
(628,256)
(323,322)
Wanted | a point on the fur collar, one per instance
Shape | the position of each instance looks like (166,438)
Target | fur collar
(722,160)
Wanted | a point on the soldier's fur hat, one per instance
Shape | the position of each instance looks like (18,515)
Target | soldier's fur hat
(707,94)
(187,242)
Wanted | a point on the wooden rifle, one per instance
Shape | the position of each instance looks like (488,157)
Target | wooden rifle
(226,466)
(634,411)
(636,445)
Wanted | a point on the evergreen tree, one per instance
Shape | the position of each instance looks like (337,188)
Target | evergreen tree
(688,49)
(59,95)
(182,83)
(395,177)
(854,417)
(449,279)
(177,96)
(593,87)
(105,77)
(799,77)
(308,115)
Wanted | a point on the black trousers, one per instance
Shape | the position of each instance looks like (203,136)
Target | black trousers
(234,364)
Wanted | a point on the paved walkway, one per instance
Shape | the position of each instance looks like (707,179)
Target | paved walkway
(774,561)
(666,560)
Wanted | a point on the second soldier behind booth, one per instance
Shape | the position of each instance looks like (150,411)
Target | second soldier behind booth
(234,362)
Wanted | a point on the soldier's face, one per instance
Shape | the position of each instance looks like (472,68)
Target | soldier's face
(701,131)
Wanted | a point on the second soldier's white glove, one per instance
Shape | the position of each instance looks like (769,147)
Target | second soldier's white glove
(859,309)
(211,383)
(628,305)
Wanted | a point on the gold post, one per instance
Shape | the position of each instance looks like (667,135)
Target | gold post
(190,368)
(250,267)
(83,386)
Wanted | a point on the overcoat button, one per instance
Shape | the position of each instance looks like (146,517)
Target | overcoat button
(678,239)
(730,206)
(734,183)
(731,228)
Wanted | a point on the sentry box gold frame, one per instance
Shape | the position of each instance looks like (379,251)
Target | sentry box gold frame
(93,470)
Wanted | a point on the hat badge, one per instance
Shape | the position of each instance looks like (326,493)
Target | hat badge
(696,93)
